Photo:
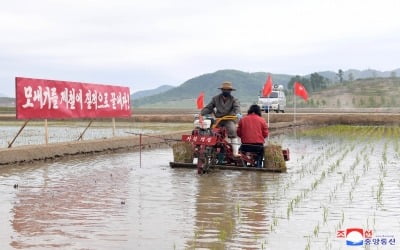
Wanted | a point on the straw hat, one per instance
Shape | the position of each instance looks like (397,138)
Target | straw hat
(227,86)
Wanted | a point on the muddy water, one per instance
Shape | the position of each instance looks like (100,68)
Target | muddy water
(338,178)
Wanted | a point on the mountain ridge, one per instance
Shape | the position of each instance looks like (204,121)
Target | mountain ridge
(248,84)
(149,92)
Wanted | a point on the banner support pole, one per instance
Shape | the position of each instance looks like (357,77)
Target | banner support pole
(268,121)
(113,126)
(140,150)
(81,136)
(294,101)
(19,132)
(46,132)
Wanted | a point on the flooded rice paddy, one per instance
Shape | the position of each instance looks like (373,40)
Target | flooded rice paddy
(339,177)
(65,131)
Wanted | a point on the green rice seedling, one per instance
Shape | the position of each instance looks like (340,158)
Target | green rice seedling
(331,168)
(275,221)
(396,144)
(328,245)
(356,179)
(316,230)
(222,235)
(374,220)
(325,215)
(331,195)
(196,235)
(381,166)
(256,236)
(304,193)
(314,185)
(344,176)
(323,175)
(289,209)
(238,209)
(342,220)
(308,246)
(379,191)
(297,200)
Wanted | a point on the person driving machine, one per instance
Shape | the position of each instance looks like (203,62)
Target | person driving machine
(222,105)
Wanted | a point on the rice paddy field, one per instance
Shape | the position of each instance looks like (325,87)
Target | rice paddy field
(341,189)
(66,131)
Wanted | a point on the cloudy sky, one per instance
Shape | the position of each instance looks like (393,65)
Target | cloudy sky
(147,43)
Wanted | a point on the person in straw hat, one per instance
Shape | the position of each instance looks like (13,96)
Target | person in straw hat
(222,105)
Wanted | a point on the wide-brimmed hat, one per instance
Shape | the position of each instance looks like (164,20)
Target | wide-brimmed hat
(227,86)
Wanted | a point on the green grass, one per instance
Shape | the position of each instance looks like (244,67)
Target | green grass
(7,110)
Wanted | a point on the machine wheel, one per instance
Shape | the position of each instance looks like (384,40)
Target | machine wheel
(200,166)
(283,111)
(208,159)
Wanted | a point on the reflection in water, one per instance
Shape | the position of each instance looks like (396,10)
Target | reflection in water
(231,210)
(78,202)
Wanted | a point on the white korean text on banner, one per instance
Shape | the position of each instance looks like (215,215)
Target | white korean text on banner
(40,98)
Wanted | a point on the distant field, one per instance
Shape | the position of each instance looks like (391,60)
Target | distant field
(7,110)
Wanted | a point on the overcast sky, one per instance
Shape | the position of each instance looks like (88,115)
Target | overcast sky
(145,44)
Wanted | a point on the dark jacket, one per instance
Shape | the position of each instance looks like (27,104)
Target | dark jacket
(231,106)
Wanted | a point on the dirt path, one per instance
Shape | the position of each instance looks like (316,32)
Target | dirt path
(27,154)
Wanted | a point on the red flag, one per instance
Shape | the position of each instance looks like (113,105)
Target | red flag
(200,100)
(299,90)
(267,87)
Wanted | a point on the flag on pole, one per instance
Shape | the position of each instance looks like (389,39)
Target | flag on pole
(200,100)
(267,87)
(300,90)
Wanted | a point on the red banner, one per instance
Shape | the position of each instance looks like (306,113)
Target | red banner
(39,98)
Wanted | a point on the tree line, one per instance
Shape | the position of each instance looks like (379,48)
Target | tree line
(315,82)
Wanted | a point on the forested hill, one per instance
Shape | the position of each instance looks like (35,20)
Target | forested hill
(247,85)
(144,93)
